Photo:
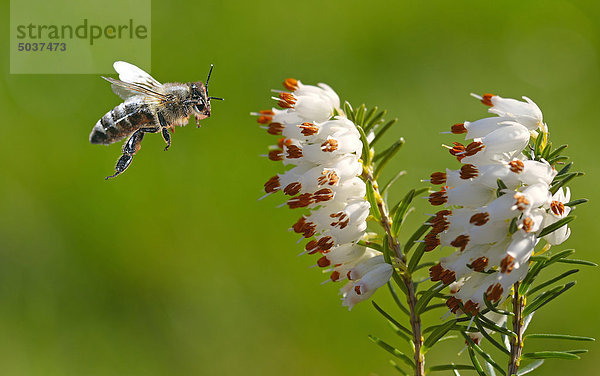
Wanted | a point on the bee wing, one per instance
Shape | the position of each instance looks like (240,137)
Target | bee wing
(134,75)
(127,89)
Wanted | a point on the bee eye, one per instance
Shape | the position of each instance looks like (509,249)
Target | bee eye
(200,107)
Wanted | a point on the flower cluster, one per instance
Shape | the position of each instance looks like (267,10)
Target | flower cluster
(323,148)
(497,203)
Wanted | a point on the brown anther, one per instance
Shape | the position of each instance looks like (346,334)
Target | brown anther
(474,148)
(438,178)
(438,273)
(440,226)
(453,304)
(334,276)
(468,171)
(357,289)
(294,151)
(527,224)
(461,242)
(458,128)
(292,189)
(276,155)
(284,142)
(308,129)
(471,307)
(329,146)
(266,112)
(311,245)
(300,201)
(435,272)
(287,100)
(487,99)
(479,264)
(275,129)
(479,219)
(291,84)
(457,149)
(507,265)
(494,292)
(521,202)
(323,262)
(438,198)
(342,220)
(328,177)
(264,119)
(431,241)
(516,166)
(443,213)
(272,185)
(325,243)
(324,194)
(557,208)
(299,226)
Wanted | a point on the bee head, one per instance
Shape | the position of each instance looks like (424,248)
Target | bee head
(199,100)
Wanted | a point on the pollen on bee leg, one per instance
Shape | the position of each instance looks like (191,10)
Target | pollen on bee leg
(458,128)
(438,178)
(291,84)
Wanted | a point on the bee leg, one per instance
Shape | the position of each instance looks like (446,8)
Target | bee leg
(131,146)
(167,137)
(165,130)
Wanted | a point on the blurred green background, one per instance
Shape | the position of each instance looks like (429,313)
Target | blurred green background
(174,268)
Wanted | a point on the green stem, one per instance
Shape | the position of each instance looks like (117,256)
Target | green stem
(516,343)
(411,299)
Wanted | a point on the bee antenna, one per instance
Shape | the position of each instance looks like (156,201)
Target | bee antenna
(217,98)
(208,78)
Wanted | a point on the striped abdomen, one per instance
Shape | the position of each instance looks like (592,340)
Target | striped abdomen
(121,121)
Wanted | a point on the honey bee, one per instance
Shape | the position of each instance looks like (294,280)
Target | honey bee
(148,107)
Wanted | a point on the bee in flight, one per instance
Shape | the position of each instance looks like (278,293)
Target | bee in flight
(148,107)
